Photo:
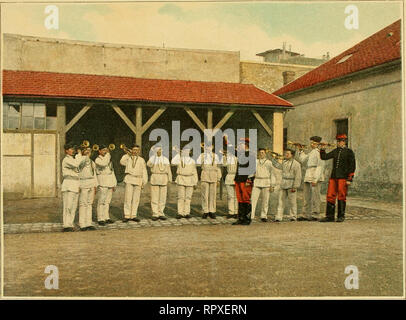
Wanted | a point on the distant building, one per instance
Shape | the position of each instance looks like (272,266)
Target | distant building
(290,57)
(359,92)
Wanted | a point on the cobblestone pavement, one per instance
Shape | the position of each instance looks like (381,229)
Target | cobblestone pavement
(44,215)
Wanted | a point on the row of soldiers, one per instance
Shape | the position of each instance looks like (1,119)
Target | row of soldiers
(245,183)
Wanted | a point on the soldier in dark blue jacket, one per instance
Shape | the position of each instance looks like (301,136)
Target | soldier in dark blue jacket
(341,177)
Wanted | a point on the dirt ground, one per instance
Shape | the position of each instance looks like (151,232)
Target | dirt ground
(288,259)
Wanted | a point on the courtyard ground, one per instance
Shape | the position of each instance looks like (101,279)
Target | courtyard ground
(204,258)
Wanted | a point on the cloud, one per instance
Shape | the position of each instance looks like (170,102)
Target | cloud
(157,24)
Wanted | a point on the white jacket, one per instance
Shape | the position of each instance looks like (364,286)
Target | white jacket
(105,171)
(186,172)
(135,169)
(70,172)
(87,174)
(230,162)
(161,172)
(264,176)
(314,167)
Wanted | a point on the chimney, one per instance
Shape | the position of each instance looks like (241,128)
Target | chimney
(288,76)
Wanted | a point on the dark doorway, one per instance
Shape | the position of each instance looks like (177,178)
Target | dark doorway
(102,125)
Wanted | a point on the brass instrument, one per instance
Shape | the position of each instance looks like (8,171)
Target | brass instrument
(327,145)
(297,144)
(274,154)
(124,148)
(112,146)
(85,144)
(95,147)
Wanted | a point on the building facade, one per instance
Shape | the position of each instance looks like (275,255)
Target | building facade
(359,92)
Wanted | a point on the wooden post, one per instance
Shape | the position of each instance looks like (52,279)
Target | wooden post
(138,125)
(209,118)
(278,132)
(61,136)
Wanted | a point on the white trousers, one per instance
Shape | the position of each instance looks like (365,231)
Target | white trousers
(158,200)
(256,193)
(209,196)
(131,200)
(184,198)
(70,204)
(286,194)
(232,200)
(311,200)
(103,203)
(86,197)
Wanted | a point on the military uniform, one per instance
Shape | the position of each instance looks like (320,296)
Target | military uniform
(343,171)
(263,180)
(107,181)
(88,185)
(230,162)
(161,174)
(210,176)
(136,177)
(291,179)
(70,187)
(186,179)
(246,167)
(314,174)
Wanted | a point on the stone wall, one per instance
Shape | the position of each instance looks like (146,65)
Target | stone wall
(268,76)
(373,107)
(66,56)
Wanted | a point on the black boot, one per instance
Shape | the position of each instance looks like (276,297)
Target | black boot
(341,211)
(240,214)
(246,214)
(329,213)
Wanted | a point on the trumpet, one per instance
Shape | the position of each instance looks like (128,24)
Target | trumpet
(327,144)
(297,144)
(85,144)
(274,154)
(95,147)
(124,148)
(112,146)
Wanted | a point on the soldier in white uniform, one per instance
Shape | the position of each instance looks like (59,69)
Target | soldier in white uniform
(230,162)
(264,183)
(291,179)
(135,180)
(107,184)
(88,185)
(210,177)
(186,181)
(161,174)
(313,177)
(70,185)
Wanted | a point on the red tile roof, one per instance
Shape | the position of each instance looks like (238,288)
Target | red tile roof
(381,47)
(64,85)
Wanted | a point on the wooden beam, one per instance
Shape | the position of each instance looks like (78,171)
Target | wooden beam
(138,125)
(61,136)
(77,117)
(209,118)
(227,116)
(262,122)
(153,118)
(277,139)
(195,118)
(124,117)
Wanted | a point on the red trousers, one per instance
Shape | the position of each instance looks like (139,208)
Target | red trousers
(243,192)
(336,187)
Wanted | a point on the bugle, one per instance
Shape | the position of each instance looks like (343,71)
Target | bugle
(124,148)
(274,154)
(297,144)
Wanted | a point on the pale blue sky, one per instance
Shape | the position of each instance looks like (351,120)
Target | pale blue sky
(250,27)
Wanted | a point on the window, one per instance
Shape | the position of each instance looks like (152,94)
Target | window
(31,116)
(285,138)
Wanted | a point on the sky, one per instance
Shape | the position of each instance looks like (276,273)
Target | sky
(311,28)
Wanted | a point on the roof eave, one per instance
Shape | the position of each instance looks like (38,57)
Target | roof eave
(387,66)
(33,98)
